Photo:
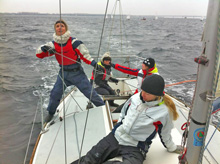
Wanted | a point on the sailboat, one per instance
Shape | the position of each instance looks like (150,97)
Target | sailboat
(81,128)
(128,17)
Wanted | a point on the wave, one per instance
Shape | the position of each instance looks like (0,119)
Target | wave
(170,35)
(24,30)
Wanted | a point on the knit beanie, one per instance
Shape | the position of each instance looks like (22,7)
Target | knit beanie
(153,84)
(106,56)
(150,62)
(63,22)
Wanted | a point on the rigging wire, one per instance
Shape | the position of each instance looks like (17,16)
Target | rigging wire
(53,143)
(32,129)
(112,17)
(65,83)
(121,26)
(211,139)
(94,79)
(77,140)
(91,93)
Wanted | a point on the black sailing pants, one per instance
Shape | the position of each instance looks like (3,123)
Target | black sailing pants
(108,148)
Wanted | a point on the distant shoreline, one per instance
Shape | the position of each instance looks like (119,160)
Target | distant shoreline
(87,14)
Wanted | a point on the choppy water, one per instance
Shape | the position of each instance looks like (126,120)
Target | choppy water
(173,43)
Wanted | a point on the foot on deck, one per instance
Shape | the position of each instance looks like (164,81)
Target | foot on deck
(48,118)
(114,105)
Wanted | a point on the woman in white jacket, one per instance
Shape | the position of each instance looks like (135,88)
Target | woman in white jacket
(143,115)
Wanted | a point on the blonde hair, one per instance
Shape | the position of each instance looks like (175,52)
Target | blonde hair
(171,106)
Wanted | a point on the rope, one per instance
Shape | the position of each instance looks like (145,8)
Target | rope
(181,82)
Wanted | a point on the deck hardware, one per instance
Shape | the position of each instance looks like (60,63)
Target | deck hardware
(202,60)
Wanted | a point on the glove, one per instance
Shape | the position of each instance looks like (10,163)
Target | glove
(49,49)
(179,149)
(112,65)
(114,80)
(94,64)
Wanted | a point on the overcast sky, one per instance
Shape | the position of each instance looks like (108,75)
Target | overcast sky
(131,7)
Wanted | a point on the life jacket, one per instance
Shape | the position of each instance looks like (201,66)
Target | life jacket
(151,71)
(69,54)
(104,77)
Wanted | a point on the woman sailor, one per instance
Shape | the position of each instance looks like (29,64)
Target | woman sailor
(143,116)
(148,68)
(68,52)
(102,76)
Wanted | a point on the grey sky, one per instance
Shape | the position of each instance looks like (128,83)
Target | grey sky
(131,7)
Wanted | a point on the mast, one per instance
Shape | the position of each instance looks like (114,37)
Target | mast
(206,85)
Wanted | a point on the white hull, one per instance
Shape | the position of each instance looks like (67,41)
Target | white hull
(51,149)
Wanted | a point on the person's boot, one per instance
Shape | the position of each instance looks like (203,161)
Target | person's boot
(48,118)
(111,103)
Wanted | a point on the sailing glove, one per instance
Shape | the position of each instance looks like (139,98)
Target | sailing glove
(114,80)
(49,49)
(112,65)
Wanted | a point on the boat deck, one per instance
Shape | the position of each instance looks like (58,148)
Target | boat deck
(51,146)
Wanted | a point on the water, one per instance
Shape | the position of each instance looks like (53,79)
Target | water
(173,43)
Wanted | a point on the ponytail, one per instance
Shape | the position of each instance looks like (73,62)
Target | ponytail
(171,106)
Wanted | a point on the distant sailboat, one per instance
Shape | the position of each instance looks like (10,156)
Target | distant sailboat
(128,17)
(156,17)
(143,18)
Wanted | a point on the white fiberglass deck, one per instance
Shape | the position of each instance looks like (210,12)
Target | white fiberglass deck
(50,148)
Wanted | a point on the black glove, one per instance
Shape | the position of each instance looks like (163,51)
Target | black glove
(95,65)
(114,80)
(49,49)
(112,65)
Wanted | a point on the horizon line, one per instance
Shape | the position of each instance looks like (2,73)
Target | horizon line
(98,14)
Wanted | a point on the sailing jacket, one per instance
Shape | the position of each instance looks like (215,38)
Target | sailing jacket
(140,121)
(102,76)
(73,50)
(140,73)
